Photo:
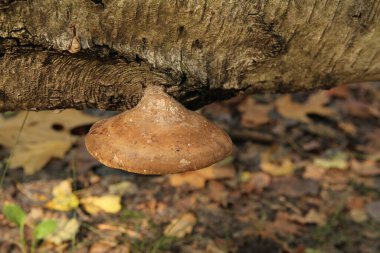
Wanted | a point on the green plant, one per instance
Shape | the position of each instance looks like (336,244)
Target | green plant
(15,214)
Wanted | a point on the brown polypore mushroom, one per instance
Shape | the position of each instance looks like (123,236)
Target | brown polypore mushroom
(158,136)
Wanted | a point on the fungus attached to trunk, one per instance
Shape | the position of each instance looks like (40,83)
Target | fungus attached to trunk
(158,136)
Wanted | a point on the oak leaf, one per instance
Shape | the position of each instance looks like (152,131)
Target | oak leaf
(297,111)
(45,135)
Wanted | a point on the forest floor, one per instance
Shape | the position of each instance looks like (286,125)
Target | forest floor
(304,177)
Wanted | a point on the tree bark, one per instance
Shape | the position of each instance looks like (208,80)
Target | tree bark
(200,51)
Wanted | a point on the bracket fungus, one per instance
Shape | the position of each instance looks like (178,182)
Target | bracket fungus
(157,136)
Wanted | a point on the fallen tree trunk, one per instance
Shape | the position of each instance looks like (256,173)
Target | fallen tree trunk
(200,51)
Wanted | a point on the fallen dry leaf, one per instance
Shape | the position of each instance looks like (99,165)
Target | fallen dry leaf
(197,179)
(34,156)
(358,215)
(107,246)
(63,197)
(66,230)
(314,105)
(257,182)
(348,127)
(336,161)
(125,187)
(181,226)
(314,172)
(356,202)
(131,233)
(312,217)
(276,162)
(295,187)
(102,246)
(283,225)
(342,91)
(367,168)
(217,192)
(286,167)
(253,114)
(39,141)
(106,203)
(360,109)
(335,179)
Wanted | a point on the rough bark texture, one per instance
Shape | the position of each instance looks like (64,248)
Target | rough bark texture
(201,51)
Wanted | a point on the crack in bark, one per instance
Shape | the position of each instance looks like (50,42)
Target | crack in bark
(98,2)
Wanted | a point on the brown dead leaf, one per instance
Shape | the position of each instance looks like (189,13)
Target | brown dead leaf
(131,233)
(360,109)
(253,114)
(257,182)
(197,179)
(217,192)
(342,91)
(39,142)
(295,187)
(314,105)
(283,225)
(356,202)
(102,246)
(348,127)
(181,226)
(356,206)
(335,179)
(312,217)
(367,168)
(314,172)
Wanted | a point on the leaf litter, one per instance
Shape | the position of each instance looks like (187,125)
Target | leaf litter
(315,182)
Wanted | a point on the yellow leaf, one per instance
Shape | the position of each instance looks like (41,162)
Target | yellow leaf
(181,226)
(275,161)
(337,161)
(245,176)
(106,203)
(286,167)
(63,198)
(39,141)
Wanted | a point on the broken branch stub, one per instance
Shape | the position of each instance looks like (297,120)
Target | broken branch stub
(158,136)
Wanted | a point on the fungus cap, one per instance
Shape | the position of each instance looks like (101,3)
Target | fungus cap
(158,136)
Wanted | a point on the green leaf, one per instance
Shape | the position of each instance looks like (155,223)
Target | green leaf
(44,228)
(15,214)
